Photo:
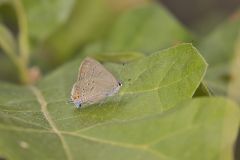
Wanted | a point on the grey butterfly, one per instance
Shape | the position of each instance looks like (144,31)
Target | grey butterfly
(94,83)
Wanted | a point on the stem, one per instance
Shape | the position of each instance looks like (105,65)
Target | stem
(21,66)
(23,72)
(23,59)
(23,30)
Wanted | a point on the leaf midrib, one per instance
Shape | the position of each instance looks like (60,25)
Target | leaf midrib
(43,104)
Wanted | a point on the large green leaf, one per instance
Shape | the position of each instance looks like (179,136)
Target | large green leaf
(144,29)
(36,122)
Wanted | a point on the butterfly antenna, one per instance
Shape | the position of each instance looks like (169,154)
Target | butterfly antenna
(69,101)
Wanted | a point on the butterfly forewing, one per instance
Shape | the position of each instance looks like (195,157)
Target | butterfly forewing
(95,82)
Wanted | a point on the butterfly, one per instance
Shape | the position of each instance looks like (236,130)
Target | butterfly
(94,83)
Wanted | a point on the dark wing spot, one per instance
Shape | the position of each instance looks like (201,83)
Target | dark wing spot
(119,83)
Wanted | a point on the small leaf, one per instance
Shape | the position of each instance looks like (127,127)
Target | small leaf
(202,90)
(131,125)
(120,57)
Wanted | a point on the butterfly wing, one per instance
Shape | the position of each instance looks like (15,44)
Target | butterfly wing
(95,82)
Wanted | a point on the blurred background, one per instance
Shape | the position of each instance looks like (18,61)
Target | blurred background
(59,30)
(38,36)
(201,16)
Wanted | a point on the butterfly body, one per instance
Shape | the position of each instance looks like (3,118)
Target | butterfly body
(94,84)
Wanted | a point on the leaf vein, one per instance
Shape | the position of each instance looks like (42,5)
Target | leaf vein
(22,120)
(46,114)
(144,147)
(20,129)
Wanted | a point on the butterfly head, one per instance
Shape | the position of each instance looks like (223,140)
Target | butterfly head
(76,100)
(78,104)
(75,96)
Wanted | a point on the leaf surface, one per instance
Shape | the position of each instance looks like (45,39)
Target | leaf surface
(140,122)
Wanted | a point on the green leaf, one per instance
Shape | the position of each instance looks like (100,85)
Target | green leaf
(218,49)
(45,17)
(36,120)
(90,20)
(144,29)
(117,57)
